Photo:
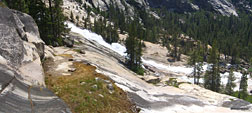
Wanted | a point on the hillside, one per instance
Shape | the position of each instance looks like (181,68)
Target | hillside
(147,56)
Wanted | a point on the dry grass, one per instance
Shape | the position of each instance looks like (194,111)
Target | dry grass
(66,55)
(2,4)
(83,98)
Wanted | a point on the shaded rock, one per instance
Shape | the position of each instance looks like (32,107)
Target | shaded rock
(154,81)
(72,70)
(68,42)
(82,52)
(55,44)
(70,59)
(94,86)
(110,87)
(237,104)
(40,49)
(97,79)
(171,60)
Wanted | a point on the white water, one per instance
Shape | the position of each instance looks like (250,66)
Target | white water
(95,37)
(189,70)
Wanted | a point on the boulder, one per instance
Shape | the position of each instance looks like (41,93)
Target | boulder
(11,44)
(237,104)
(110,87)
(68,42)
(21,72)
(82,51)
(154,81)
(49,52)
(31,31)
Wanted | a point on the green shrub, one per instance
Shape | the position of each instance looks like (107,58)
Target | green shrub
(139,71)
(248,98)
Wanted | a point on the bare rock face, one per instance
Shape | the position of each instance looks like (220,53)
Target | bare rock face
(31,32)
(17,97)
(21,72)
(11,44)
(21,46)
(224,7)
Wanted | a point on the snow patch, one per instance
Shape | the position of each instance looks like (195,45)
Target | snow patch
(118,48)
(189,70)
(176,69)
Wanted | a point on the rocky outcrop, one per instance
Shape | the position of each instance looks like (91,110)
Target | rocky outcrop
(31,32)
(17,97)
(21,73)
(224,7)
(21,45)
(11,44)
(180,6)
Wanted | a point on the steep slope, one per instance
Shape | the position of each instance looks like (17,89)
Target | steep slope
(21,74)
(150,98)
(224,7)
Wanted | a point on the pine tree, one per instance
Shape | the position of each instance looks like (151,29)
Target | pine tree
(175,45)
(212,76)
(134,50)
(60,27)
(250,69)
(51,23)
(39,12)
(196,60)
(230,83)
(77,18)
(243,86)
(193,62)
(71,17)
(20,5)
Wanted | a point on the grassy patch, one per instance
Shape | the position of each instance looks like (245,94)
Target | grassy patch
(77,50)
(249,97)
(173,82)
(66,55)
(79,93)
(78,43)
